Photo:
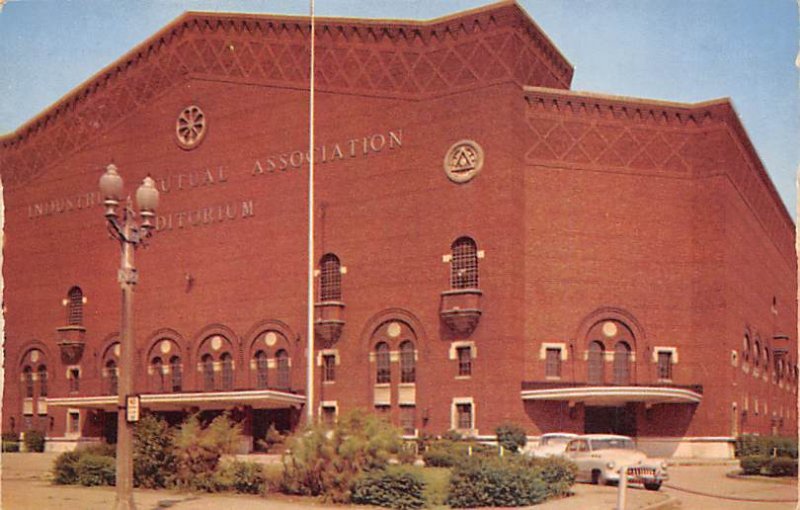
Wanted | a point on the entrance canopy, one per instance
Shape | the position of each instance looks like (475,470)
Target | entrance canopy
(257,399)
(612,395)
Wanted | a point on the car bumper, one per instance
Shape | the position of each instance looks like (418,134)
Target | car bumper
(658,477)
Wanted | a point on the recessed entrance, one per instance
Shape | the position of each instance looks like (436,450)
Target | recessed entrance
(610,420)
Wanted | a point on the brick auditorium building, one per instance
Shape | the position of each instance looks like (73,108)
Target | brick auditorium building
(492,246)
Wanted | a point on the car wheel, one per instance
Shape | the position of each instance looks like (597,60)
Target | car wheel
(652,486)
(597,477)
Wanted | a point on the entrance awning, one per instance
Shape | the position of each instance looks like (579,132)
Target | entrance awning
(612,395)
(258,399)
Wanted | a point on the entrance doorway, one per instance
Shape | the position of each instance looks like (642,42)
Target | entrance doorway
(610,420)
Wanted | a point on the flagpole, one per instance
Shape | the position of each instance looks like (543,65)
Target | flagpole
(310,332)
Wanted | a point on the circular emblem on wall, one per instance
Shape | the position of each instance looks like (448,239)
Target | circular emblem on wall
(116,350)
(165,346)
(393,330)
(609,329)
(216,343)
(463,161)
(270,338)
(34,356)
(191,127)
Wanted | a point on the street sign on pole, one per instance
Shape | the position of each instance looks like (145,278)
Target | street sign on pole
(132,407)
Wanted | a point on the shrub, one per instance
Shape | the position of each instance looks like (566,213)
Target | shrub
(483,482)
(273,441)
(242,477)
(34,441)
(95,470)
(325,462)
(511,437)
(153,456)
(391,489)
(753,464)
(10,446)
(781,466)
(748,445)
(445,453)
(557,472)
(65,468)
(198,450)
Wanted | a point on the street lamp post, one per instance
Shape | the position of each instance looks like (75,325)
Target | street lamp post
(130,236)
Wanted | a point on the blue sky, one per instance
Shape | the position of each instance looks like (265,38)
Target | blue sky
(678,50)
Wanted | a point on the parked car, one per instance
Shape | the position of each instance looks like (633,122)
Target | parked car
(552,443)
(599,458)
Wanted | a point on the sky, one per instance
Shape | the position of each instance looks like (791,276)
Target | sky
(676,50)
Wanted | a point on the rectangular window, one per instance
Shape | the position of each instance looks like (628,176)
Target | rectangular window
(408,420)
(328,368)
(464,355)
(664,365)
(74,379)
(553,362)
(464,412)
(382,410)
(329,415)
(74,422)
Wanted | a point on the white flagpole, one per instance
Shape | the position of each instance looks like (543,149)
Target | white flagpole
(310,332)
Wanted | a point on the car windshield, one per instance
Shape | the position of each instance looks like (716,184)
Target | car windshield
(554,440)
(616,443)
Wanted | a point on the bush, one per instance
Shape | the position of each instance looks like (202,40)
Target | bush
(153,456)
(753,464)
(34,441)
(95,470)
(10,446)
(781,466)
(273,441)
(557,472)
(511,437)
(242,477)
(445,453)
(508,481)
(198,450)
(391,489)
(325,462)
(748,445)
(65,468)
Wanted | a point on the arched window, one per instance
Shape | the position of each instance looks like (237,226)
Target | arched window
(408,372)
(464,264)
(746,348)
(157,367)
(382,363)
(176,373)
(113,377)
(330,284)
(767,362)
(208,372)
(596,363)
(757,354)
(75,306)
(27,379)
(622,354)
(227,371)
(42,371)
(282,366)
(261,370)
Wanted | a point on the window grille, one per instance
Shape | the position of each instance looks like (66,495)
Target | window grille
(553,362)
(408,420)
(382,363)
(596,363)
(665,365)
(113,378)
(261,370)
(74,421)
(464,264)
(42,381)
(75,307)
(208,372)
(74,380)
(28,379)
(464,412)
(176,373)
(328,368)
(464,361)
(227,371)
(622,353)
(330,287)
(158,375)
(408,366)
(282,362)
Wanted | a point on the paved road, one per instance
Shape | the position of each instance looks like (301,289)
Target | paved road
(26,486)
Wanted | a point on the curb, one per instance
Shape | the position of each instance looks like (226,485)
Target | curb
(736,475)
(662,504)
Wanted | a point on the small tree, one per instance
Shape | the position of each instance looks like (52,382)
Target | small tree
(326,462)
(153,453)
(199,449)
(510,436)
